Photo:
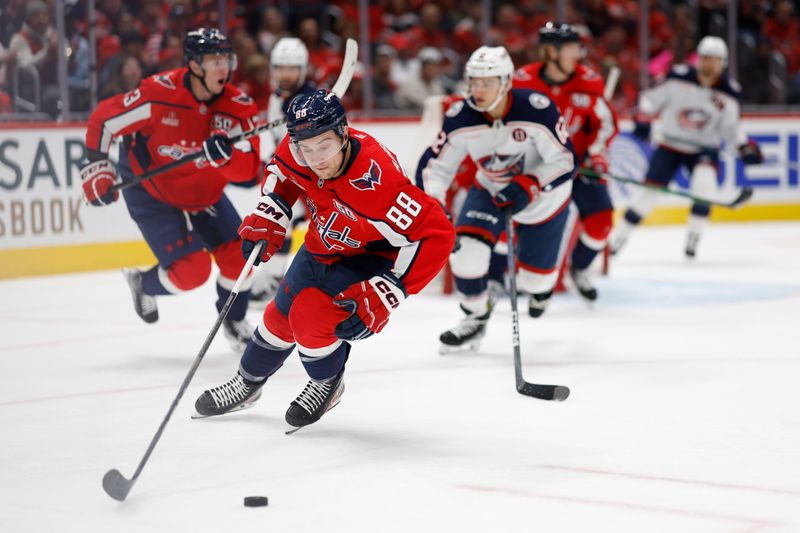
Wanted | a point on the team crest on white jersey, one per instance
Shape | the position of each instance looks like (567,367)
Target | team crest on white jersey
(500,167)
(693,119)
(539,101)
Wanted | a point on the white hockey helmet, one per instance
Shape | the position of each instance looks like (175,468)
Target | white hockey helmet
(290,52)
(714,47)
(489,62)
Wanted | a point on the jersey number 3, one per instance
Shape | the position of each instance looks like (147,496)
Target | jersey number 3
(404,211)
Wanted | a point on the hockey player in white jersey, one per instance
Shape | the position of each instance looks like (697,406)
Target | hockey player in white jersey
(289,70)
(525,166)
(698,109)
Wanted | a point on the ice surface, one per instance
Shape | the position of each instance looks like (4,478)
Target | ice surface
(684,414)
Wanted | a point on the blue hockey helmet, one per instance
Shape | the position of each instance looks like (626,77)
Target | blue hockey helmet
(207,41)
(312,115)
(558,34)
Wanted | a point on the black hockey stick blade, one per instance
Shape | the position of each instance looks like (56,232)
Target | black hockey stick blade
(557,393)
(116,486)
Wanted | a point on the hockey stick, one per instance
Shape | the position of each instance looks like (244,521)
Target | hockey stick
(742,197)
(542,392)
(339,88)
(114,483)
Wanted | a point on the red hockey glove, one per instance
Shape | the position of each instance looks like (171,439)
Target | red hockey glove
(268,223)
(370,302)
(218,148)
(97,178)
(516,196)
(751,153)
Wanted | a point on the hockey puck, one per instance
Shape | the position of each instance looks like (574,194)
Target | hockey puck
(256,501)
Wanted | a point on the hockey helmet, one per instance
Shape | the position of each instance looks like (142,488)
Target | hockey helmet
(290,52)
(714,47)
(312,115)
(558,34)
(488,62)
(207,41)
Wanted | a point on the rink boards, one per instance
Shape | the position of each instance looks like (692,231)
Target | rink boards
(46,229)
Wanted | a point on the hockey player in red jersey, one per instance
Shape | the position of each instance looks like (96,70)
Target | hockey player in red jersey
(183,214)
(578,92)
(374,239)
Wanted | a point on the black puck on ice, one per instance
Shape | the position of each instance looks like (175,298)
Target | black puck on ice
(256,501)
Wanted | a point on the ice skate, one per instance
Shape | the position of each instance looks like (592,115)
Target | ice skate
(466,336)
(583,283)
(144,304)
(692,239)
(317,398)
(238,333)
(235,395)
(538,303)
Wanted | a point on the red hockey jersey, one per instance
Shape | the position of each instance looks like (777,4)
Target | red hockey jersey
(371,208)
(591,122)
(161,122)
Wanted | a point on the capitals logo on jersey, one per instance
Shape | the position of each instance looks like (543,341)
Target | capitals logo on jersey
(500,167)
(369,179)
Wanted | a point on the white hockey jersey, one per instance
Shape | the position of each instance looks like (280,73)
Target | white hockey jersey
(693,117)
(531,138)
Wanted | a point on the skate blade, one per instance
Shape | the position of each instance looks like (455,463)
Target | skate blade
(445,349)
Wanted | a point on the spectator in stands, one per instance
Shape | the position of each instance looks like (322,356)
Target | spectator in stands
(398,16)
(413,93)
(35,46)
(508,31)
(270,30)
(429,32)
(6,57)
(382,85)
(126,77)
(783,31)
(466,34)
(325,61)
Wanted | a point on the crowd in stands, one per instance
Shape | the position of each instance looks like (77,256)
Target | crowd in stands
(418,47)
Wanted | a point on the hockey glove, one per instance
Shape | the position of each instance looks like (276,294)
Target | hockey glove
(218,148)
(751,153)
(516,196)
(268,223)
(370,302)
(97,178)
(598,162)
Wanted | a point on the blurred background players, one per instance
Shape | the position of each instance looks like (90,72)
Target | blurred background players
(578,92)
(525,165)
(699,109)
(183,214)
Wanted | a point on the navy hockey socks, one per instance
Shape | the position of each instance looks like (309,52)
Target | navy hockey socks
(328,366)
(261,359)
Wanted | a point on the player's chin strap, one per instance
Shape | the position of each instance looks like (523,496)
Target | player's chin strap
(231,67)
(500,94)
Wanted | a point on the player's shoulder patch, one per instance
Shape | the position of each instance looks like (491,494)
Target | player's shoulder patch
(681,69)
(454,109)
(242,99)
(539,101)
(164,80)
(521,75)
(369,179)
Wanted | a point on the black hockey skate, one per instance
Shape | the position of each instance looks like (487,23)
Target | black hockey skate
(235,395)
(317,398)
(144,304)
(583,282)
(538,303)
(691,244)
(466,336)
(238,333)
